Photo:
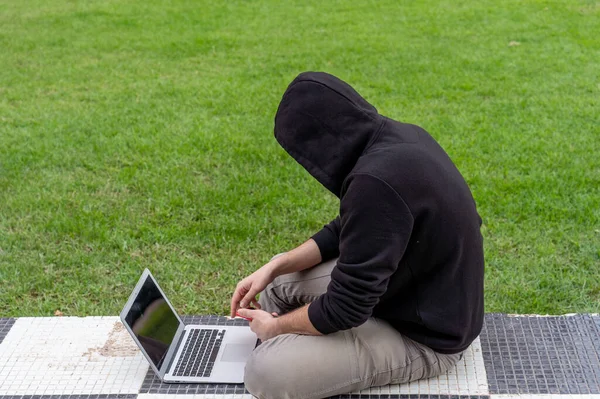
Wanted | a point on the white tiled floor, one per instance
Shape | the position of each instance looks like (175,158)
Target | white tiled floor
(467,378)
(93,355)
(70,355)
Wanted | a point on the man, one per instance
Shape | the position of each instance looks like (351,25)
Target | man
(390,291)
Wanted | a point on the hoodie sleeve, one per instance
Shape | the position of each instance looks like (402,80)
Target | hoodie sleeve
(328,240)
(376,226)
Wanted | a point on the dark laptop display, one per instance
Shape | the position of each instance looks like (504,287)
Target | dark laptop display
(153,322)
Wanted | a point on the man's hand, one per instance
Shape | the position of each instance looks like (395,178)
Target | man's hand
(267,326)
(262,323)
(247,289)
(303,257)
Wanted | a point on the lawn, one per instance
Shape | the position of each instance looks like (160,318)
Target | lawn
(139,134)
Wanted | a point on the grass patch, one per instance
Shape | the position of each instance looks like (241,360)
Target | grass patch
(138,134)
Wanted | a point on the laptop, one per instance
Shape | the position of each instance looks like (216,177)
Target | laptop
(184,353)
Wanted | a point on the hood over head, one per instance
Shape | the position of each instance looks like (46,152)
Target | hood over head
(325,125)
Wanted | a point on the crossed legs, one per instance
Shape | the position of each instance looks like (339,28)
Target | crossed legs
(292,366)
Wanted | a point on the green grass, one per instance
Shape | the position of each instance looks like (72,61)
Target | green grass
(138,134)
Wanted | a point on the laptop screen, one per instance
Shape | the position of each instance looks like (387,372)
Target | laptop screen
(153,322)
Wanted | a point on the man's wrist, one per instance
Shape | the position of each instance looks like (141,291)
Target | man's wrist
(279,326)
(277,266)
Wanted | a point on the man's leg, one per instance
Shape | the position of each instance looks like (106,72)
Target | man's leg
(294,290)
(294,366)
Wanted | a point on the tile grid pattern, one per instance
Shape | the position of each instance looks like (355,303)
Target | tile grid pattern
(542,355)
(555,357)
(70,356)
(152,384)
(98,396)
(467,378)
(5,326)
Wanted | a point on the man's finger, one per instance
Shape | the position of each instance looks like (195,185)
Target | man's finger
(234,305)
(248,298)
(246,313)
(235,301)
(255,303)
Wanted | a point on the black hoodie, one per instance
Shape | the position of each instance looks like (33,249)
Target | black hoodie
(408,234)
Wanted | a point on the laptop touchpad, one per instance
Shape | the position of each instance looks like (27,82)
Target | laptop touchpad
(236,353)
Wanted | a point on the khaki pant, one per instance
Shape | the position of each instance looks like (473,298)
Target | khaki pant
(292,366)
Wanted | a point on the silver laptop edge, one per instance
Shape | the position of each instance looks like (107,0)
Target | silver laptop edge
(178,335)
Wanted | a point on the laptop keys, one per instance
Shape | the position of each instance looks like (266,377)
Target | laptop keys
(199,353)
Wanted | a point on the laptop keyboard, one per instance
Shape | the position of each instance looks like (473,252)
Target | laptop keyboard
(199,353)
